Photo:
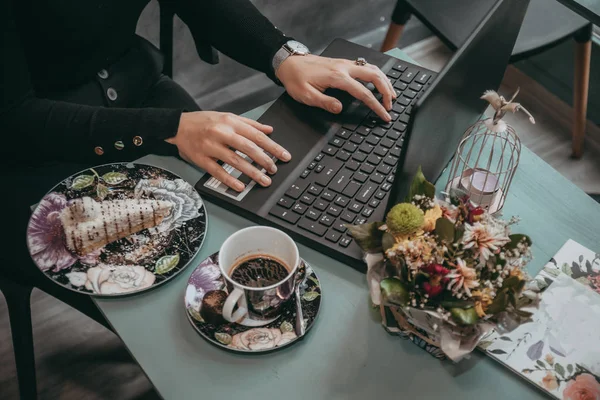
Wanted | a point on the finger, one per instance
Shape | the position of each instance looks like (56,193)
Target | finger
(370,73)
(315,98)
(242,165)
(258,141)
(363,94)
(218,172)
(261,127)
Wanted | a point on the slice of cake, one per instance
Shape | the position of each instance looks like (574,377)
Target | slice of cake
(89,225)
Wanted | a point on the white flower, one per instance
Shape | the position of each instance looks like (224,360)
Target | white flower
(77,279)
(113,279)
(485,239)
(186,201)
(261,339)
(462,278)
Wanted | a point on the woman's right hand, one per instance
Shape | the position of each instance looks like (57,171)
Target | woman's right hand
(204,137)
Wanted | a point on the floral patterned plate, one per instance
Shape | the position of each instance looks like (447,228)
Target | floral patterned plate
(116,229)
(207,286)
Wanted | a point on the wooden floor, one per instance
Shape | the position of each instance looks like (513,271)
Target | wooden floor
(78,359)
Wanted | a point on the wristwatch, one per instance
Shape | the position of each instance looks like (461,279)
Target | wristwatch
(290,48)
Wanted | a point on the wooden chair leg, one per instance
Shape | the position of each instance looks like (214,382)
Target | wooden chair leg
(583,52)
(18,300)
(392,36)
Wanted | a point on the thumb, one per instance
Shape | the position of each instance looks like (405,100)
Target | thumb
(325,102)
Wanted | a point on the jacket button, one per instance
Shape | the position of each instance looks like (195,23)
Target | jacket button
(111,93)
(119,145)
(99,150)
(103,74)
(137,140)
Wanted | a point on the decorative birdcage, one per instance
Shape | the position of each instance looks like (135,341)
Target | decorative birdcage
(488,156)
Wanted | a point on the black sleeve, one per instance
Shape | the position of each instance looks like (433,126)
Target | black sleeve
(236,28)
(35,130)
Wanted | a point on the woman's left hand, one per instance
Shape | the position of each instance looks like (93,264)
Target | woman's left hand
(306,78)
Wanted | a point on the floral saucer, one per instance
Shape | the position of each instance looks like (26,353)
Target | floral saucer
(207,279)
(117,229)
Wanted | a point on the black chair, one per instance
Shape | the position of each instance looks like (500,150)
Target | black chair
(547,24)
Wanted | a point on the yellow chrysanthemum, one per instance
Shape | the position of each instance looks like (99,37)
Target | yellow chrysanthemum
(431,216)
(404,219)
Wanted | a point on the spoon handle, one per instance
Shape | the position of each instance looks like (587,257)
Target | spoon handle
(299,316)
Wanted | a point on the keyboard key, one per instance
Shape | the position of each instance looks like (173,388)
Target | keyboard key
(377,177)
(319,157)
(384,169)
(340,226)
(399,67)
(313,214)
(307,199)
(388,143)
(299,208)
(330,170)
(390,179)
(360,177)
(333,236)
(374,203)
(390,160)
(394,115)
(349,126)
(408,110)
(328,195)
(334,210)
(366,148)
(400,126)
(371,122)
(355,207)
(366,192)
(394,135)
(350,147)
(405,101)
(416,86)
(343,133)
(305,173)
(372,139)
(398,92)
(339,182)
(398,108)
(297,189)
(374,160)
(355,138)
(400,85)
(348,217)
(360,157)
(393,74)
(409,75)
(363,130)
(337,142)
(341,201)
(345,242)
(312,226)
(284,214)
(378,96)
(326,220)
(385,125)
(380,151)
(379,131)
(386,187)
(380,195)
(367,212)
(367,168)
(411,94)
(331,150)
(396,151)
(343,155)
(319,168)
(351,189)
(360,221)
(352,165)
(321,205)
(314,189)
(312,165)
(423,78)
(404,118)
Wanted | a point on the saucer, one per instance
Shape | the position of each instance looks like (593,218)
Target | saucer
(280,333)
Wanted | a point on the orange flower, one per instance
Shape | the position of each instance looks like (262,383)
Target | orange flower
(584,387)
(431,216)
(550,382)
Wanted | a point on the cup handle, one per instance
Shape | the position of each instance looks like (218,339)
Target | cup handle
(236,297)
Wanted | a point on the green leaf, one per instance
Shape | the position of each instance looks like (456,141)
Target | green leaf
(387,241)
(195,314)
(82,181)
(367,236)
(224,338)
(420,186)
(505,338)
(559,369)
(101,191)
(566,268)
(286,327)
(570,368)
(499,304)
(541,363)
(166,263)
(464,317)
(393,292)
(444,228)
(312,278)
(515,239)
(310,296)
(457,303)
(511,282)
(497,351)
(484,344)
(114,178)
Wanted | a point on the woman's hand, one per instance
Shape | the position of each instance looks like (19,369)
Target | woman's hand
(306,77)
(204,137)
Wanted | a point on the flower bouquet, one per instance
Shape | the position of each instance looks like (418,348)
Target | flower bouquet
(445,272)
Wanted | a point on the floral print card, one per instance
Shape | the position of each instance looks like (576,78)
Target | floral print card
(560,350)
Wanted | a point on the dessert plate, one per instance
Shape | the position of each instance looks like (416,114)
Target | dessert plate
(206,292)
(117,229)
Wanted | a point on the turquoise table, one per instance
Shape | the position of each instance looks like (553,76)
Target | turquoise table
(347,355)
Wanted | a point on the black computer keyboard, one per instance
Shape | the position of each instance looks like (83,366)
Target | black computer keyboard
(348,180)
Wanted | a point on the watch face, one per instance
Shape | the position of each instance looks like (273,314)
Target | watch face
(297,47)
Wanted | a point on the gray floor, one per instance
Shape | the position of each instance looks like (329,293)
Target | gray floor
(78,359)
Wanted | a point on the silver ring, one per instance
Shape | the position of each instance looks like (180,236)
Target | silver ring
(360,61)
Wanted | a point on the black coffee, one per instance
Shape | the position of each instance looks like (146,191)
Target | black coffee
(259,271)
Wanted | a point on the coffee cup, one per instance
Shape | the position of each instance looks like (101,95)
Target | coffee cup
(259,264)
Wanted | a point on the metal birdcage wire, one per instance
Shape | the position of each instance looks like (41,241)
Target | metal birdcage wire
(485,163)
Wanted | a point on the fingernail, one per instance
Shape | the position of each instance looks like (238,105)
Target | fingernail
(286,156)
(388,117)
(335,108)
(265,180)
(239,186)
(273,169)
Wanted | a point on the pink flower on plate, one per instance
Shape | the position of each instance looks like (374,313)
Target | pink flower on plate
(595,283)
(462,278)
(485,239)
(584,387)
